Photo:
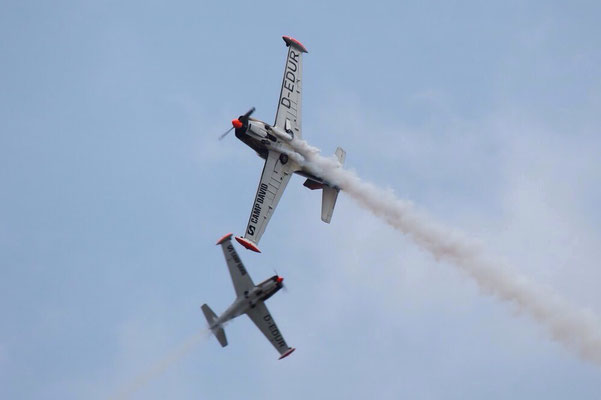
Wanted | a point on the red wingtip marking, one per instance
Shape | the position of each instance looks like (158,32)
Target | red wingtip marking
(236,123)
(298,44)
(286,354)
(224,238)
(248,244)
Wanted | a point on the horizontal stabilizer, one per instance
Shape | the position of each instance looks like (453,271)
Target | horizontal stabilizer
(209,315)
(330,194)
(328,201)
(311,184)
(220,335)
(216,329)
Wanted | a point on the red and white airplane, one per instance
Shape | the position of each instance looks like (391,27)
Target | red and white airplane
(272,143)
(250,300)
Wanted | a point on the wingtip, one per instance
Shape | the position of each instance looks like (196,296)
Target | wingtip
(247,244)
(290,41)
(286,354)
(224,238)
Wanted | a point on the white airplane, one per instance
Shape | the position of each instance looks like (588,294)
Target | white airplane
(250,300)
(272,143)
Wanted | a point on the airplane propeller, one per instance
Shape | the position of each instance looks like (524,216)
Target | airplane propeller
(244,118)
(239,122)
(226,132)
(281,281)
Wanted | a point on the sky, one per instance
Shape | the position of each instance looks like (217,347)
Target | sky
(115,190)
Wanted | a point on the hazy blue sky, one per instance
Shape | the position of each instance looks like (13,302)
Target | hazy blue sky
(114,189)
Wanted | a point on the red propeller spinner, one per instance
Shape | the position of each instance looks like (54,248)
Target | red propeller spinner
(236,123)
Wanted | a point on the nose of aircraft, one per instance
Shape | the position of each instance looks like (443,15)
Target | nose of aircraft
(280,279)
(236,123)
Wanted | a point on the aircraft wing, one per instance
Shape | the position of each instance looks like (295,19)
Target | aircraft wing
(240,278)
(263,320)
(288,116)
(273,181)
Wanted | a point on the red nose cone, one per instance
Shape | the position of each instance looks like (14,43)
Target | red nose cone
(280,279)
(236,123)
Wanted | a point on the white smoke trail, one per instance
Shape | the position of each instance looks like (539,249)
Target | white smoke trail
(578,330)
(160,366)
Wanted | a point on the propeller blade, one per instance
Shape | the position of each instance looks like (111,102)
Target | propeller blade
(244,118)
(239,122)
(249,112)
(225,134)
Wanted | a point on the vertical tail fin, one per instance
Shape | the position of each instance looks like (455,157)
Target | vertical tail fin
(215,328)
(330,194)
(340,155)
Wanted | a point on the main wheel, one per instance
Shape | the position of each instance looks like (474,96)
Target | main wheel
(283,158)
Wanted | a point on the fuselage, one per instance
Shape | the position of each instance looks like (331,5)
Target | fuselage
(262,138)
(249,299)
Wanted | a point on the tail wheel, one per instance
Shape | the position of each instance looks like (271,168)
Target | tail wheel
(283,158)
